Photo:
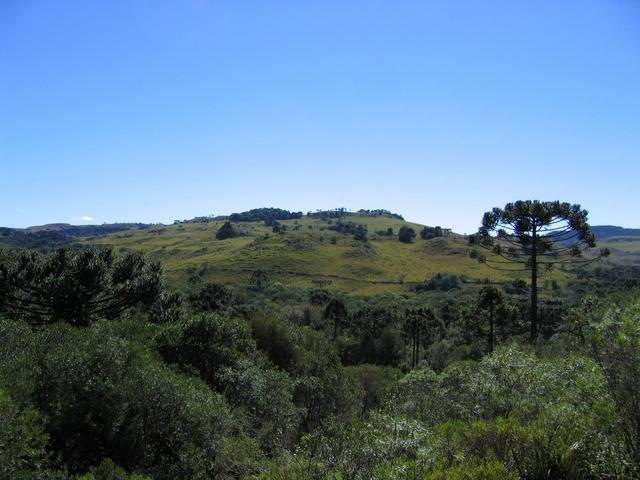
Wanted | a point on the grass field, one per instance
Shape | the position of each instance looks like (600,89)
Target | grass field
(624,250)
(307,254)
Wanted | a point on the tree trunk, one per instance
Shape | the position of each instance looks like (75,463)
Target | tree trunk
(415,351)
(534,286)
(418,348)
(491,329)
(404,348)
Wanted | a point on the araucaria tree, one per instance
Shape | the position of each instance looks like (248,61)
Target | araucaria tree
(533,235)
(490,299)
(416,328)
(225,231)
(76,287)
(336,312)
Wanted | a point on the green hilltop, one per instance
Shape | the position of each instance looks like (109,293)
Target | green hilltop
(354,252)
(306,252)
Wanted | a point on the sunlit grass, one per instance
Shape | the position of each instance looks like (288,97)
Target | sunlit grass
(309,254)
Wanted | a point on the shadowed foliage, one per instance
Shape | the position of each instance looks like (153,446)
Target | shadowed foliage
(76,287)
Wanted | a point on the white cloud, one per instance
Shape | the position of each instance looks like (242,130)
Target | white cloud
(83,218)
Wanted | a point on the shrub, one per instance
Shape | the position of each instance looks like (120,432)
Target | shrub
(441,281)
(211,297)
(23,441)
(614,336)
(406,234)
(206,342)
(358,230)
(222,351)
(103,398)
(226,231)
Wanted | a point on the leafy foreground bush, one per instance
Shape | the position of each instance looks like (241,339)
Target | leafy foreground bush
(512,415)
(22,440)
(101,398)
(209,396)
(615,343)
(222,351)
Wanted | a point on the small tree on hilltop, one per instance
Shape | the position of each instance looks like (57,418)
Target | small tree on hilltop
(406,234)
(533,235)
(225,231)
(427,233)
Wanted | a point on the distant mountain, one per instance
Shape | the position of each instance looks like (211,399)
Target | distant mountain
(39,239)
(607,231)
(50,227)
(86,230)
(59,234)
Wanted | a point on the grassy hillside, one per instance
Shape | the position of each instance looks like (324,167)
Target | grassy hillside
(624,250)
(308,254)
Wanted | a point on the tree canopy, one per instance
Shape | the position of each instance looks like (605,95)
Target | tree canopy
(75,286)
(358,230)
(268,215)
(406,234)
(225,231)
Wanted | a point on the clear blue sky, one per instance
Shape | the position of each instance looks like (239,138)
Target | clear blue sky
(152,110)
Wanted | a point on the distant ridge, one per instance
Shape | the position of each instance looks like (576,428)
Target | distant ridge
(59,234)
(85,230)
(50,227)
(351,251)
(607,231)
(269,215)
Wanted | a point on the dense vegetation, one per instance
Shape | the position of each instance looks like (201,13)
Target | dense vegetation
(13,238)
(108,372)
(267,215)
(358,230)
(59,234)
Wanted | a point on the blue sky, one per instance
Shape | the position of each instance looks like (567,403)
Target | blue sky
(154,110)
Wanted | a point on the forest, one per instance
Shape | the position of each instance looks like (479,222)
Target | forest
(123,357)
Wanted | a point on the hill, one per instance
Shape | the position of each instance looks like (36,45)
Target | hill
(38,239)
(86,230)
(317,249)
(53,235)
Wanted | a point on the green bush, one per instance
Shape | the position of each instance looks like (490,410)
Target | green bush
(101,397)
(23,441)
(614,336)
(206,342)
(279,340)
(484,471)
(107,470)
(222,352)
(374,381)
